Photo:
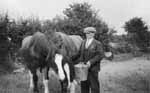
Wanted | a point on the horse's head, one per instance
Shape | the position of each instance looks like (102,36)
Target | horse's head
(58,62)
(60,43)
(65,70)
(66,46)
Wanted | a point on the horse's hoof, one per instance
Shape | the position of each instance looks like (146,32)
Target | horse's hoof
(36,91)
(31,90)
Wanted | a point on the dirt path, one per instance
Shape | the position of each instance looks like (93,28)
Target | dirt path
(132,76)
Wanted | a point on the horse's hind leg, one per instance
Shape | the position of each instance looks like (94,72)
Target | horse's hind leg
(45,79)
(33,81)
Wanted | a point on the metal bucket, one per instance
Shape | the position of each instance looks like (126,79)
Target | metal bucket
(81,72)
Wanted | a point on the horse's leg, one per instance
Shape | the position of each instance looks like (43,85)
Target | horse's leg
(33,80)
(63,86)
(67,70)
(45,79)
(71,82)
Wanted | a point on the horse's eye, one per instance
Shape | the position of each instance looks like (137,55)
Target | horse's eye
(61,46)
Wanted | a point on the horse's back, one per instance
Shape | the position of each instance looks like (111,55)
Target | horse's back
(77,40)
(71,40)
(39,39)
(26,42)
(36,45)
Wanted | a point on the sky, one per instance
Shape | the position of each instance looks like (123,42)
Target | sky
(114,12)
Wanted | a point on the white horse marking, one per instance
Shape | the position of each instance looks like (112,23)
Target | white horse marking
(67,70)
(73,86)
(31,80)
(58,61)
(45,83)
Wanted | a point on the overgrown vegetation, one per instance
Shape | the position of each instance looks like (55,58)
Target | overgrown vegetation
(76,17)
(4,44)
(138,34)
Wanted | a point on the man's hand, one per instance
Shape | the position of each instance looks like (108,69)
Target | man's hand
(88,64)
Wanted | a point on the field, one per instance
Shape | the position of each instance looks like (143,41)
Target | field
(130,75)
(19,83)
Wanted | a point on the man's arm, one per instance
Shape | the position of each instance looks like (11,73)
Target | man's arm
(98,56)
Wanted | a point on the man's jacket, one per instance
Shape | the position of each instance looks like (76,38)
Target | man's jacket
(94,53)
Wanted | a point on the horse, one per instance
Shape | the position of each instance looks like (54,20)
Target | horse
(68,46)
(41,51)
(38,53)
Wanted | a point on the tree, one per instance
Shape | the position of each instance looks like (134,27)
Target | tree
(77,17)
(137,32)
(4,43)
(21,28)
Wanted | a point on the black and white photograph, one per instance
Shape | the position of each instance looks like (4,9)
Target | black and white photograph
(74,46)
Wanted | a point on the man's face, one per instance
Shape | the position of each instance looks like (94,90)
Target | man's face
(90,35)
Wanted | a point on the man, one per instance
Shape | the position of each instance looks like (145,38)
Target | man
(90,53)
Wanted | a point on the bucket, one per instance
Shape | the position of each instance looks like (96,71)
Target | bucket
(81,72)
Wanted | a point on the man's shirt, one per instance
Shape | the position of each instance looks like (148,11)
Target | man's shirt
(88,42)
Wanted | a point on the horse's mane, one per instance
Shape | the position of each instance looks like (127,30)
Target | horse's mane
(71,43)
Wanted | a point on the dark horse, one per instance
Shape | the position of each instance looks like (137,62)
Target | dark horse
(38,52)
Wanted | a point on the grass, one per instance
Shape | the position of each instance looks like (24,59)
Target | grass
(14,83)
(19,83)
(130,76)
(123,75)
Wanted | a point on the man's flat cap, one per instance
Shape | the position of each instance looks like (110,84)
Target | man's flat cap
(89,30)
